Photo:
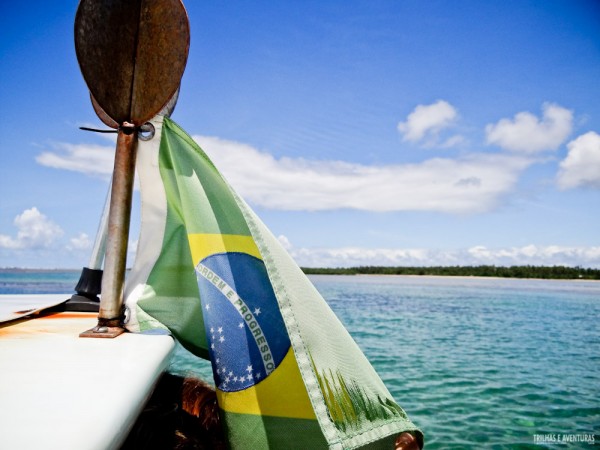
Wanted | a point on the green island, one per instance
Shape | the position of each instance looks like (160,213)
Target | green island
(541,272)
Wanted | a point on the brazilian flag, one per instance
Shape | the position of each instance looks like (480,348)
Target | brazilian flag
(287,373)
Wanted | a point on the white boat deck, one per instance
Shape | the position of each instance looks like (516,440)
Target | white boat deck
(60,391)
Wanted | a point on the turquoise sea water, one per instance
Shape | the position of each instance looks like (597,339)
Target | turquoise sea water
(480,363)
(476,363)
(38,281)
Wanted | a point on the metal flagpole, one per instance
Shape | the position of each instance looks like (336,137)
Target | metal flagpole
(132,54)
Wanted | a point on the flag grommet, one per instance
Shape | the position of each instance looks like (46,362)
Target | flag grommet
(146,132)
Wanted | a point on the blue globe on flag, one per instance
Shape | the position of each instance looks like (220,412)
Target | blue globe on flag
(246,333)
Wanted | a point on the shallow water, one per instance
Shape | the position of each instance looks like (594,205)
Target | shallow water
(38,281)
(476,363)
(480,362)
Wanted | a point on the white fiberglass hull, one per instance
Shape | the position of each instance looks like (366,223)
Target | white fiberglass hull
(60,391)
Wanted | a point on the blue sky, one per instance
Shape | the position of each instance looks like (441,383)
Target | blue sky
(380,132)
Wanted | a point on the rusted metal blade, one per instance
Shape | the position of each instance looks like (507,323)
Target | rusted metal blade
(170,106)
(105,118)
(132,54)
(167,110)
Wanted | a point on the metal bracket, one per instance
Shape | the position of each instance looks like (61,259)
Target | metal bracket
(106,329)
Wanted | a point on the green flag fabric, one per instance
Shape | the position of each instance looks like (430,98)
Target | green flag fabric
(287,373)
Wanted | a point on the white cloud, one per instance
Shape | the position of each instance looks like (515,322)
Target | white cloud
(526,133)
(94,160)
(426,121)
(35,230)
(284,241)
(80,242)
(358,256)
(477,255)
(453,141)
(470,184)
(536,255)
(581,167)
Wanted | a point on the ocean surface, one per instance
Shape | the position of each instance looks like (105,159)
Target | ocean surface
(476,363)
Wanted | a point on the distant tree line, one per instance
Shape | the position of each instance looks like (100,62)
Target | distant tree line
(544,272)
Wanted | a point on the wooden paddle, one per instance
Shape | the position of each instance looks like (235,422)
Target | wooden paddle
(132,54)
